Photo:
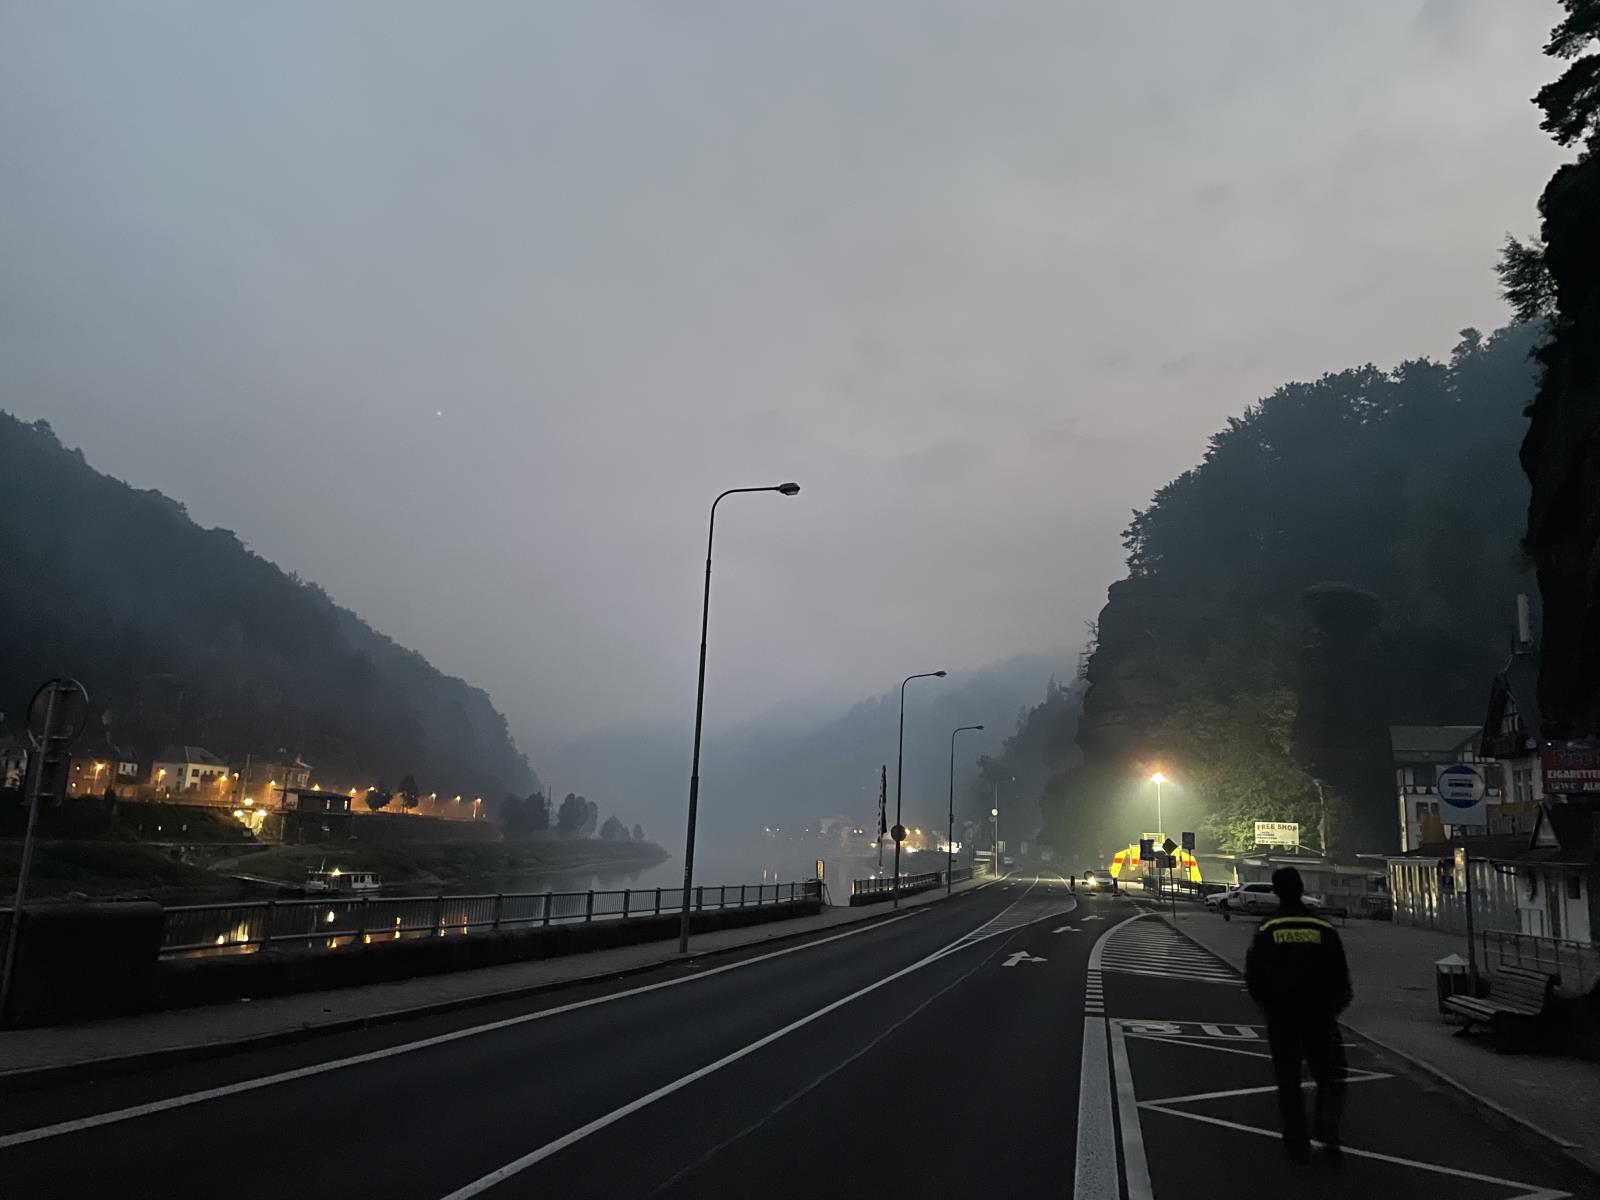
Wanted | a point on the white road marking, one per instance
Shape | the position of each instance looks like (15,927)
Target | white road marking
(1529,1192)
(1350,1077)
(1135,1169)
(1095,917)
(1067,929)
(1021,956)
(1094,1175)
(517,1165)
(355,1060)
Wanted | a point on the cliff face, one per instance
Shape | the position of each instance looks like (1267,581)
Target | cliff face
(1561,456)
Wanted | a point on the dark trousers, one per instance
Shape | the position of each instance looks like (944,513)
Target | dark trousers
(1313,1039)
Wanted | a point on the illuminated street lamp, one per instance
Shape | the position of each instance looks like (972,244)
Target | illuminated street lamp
(783,489)
(899,775)
(1158,779)
(994,815)
(950,827)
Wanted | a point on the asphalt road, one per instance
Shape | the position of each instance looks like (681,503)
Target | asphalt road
(1014,1040)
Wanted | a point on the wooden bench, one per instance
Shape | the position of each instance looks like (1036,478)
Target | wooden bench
(1517,1004)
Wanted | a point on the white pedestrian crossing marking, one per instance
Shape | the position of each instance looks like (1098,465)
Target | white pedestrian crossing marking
(1152,948)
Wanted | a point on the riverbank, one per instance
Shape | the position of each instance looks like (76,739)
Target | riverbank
(402,865)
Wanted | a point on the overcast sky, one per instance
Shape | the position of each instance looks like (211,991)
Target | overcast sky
(466,311)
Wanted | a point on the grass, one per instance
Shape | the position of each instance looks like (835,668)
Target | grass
(105,869)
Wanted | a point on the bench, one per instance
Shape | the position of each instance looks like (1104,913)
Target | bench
(1518,1003)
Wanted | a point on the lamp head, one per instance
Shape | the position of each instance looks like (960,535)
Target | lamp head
(788,489)
(939,674)
(1158,777)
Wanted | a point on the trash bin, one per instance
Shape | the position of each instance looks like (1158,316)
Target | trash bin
(1452,977)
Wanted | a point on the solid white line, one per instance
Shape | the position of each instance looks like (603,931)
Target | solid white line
(1095,1175)
(355,1060)
(517,1165)
(1363,1077)
(1135,1169)
(1537,1193)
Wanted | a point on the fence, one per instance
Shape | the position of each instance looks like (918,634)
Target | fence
(1577,964)
(331,922)
(908,884)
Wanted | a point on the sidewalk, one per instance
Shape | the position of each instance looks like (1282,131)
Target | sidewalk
(33,1057)
(1395,1007)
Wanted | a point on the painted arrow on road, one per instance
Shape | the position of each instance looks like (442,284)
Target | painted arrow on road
(1021,956)
(1066,929)
(1095,917)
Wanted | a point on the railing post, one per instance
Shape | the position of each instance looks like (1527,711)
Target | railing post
(741,895)
(699,898)
(627,895)
(499,897)
(438,915)
(588,908)
(548,898)
(361,921)
(658,902)
(266,925)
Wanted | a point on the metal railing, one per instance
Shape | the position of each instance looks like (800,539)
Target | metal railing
(331,922)
(1575,964)
(908,884)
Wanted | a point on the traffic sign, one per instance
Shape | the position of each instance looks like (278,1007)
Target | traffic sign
(898,833)
(1169,846)
(1164,862)
(1188,841)
(1147,849)
(65,718)
(1461,795)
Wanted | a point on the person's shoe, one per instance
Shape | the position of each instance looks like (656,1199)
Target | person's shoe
(1299,1152)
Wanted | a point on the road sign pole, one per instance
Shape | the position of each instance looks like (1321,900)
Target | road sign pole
(1464,884)
(34,779)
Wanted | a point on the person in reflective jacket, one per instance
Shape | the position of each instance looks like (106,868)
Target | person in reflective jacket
(1296,972)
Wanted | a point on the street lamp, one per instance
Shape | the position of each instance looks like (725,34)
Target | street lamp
(783,489)
(994,815)
(899,773)
(950,829)
(1158,779)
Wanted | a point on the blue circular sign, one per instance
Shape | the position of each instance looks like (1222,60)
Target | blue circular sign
(1460,786)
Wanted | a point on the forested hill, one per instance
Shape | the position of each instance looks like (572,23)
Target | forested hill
(1402,482)
(186,636)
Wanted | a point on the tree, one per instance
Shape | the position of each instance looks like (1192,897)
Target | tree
(571,815)
(1525,280)
(538,811)
(410,794)
(638,832)
(591,818)
(613,831)
(514,816)
(379,797)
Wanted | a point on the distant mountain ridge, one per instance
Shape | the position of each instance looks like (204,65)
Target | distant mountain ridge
(184,634)
(805,759)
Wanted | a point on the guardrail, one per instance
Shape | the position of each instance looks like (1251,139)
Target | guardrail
(908,884)
(1576,964)
(330,922)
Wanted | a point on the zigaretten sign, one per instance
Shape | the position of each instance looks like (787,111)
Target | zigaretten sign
(1571,766)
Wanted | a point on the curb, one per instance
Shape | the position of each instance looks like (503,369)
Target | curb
(33,1078)
(1571,1151)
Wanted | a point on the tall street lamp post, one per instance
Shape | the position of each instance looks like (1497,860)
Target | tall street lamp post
(785,489)
(950,830)
(994,815)
(899,775)
(1158,779)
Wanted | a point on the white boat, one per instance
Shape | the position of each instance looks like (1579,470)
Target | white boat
(322,880)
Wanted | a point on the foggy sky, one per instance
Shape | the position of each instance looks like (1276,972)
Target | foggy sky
(466,311)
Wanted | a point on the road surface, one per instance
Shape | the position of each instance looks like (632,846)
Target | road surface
(1012,1041)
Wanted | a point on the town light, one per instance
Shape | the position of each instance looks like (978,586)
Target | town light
(1158,777)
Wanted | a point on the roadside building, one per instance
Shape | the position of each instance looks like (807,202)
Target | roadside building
(1542,884)
(94,768)
(260,781)
(1357,885)
(313,815)
(1421,752)
(1510,736)
(188,769)
(13,763)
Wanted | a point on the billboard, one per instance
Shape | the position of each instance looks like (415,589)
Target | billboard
(1277,833)
(1571,766)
